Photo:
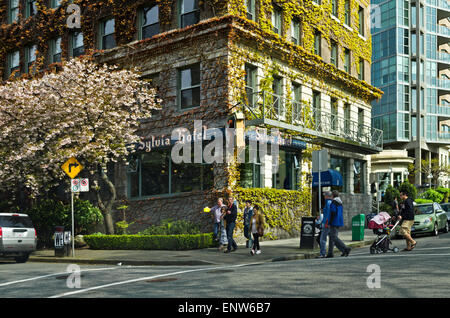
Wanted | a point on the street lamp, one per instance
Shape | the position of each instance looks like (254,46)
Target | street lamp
(406,173)
(430,176)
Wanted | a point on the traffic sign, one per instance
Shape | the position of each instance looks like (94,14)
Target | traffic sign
(75,185)
(72,167)
(84,185)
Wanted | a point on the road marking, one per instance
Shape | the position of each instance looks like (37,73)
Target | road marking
(148,278)
(55,274)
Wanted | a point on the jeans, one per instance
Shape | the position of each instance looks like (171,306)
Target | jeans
(216,229)
(248,235)
(231,242)
(255,246)
(323,241)
(334,240)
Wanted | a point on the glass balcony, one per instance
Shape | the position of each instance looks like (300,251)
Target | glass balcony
(442,4)
(442,110)
(443,30)
(443,56)
(270,109)
(439,83)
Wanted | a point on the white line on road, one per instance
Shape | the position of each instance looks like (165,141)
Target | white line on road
(148,278)
(55,274)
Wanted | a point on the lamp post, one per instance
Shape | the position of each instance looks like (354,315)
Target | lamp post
(430,177)
(406,173)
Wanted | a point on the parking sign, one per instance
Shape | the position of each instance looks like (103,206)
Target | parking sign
(84,185)
(75,185)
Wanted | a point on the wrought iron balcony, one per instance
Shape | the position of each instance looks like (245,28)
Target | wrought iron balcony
(265,108)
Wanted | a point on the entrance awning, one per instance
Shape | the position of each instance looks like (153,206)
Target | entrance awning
(328,178)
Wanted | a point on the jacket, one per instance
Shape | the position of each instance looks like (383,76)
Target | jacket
(231,218)
(326,212)
(336,213)
(248,213)
(260,222)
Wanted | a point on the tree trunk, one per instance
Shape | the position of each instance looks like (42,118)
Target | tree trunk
(105,206)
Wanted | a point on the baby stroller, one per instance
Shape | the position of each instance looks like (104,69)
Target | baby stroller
(382,226)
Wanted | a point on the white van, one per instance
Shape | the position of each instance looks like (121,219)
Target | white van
(17,236)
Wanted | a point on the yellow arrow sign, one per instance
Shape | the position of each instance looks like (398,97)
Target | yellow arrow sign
(72,167)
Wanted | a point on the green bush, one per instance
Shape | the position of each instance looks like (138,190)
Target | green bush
(150,242)
(48,213)
(432,195)
(409,189)
(170,227)
(445,192)
(422,201)
(390,194)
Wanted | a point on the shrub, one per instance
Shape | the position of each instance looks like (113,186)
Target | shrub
(445,192)
(432,195)
(422,201)
(409,189)
(170,227)
(390,194)
(150,242)
(48,213)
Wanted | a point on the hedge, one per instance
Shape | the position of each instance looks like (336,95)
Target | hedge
(150,242)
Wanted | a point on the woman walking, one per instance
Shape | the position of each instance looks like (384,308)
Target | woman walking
(223,241)
(257,225)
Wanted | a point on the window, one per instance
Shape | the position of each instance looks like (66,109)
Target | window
(334,115)
(250,7)
(347,12)
(347,60)
(250,171)
(295,31)
(334,53)
(77,46)
(334,7)
(286,176)
(149,22)
(347,118)
(361,21)
(317,43)
(250,83)
(316,108)
(277,88)
(30,58)
(13,11)
(189,87)
(361,70)
(360,122)
(358,176)
(107,38)
(340,164)
(276,20)
(155,174)
(189,13)
(296,101)
(13,62)
(55,50)
(55,3)
(30,8)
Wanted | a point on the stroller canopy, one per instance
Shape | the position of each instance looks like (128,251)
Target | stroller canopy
(381,218)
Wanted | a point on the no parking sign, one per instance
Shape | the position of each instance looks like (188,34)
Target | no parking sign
(80,185)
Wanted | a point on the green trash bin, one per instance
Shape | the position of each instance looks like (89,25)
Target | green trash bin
(358,222)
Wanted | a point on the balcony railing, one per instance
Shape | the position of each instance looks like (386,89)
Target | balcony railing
(439,109)
(439,83)
(444,4)
(443,30)
(443,56)
(281,112)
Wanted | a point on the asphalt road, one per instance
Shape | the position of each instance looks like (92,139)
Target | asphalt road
(424,272)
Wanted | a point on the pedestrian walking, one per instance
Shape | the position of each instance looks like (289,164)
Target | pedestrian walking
(336,221)
(216,214)
(395,207)
(248,213)
(230,218)
(223,240)
(325,226)
(257,226)
(406,218)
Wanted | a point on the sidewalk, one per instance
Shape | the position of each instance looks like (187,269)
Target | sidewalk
(272,251)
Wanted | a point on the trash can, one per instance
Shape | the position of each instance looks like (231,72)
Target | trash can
(61,248)
(358,222)
(308,233)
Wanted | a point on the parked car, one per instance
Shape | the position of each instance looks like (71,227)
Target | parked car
(429,218)
(446,208)
(17,236)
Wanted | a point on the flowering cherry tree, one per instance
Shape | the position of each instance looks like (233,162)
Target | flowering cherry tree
(87,111)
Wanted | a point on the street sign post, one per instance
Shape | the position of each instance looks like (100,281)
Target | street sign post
(72,168)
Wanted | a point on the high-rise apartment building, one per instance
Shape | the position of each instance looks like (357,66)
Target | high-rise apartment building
(411,65)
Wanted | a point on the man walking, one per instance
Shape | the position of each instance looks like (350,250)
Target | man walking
(216,213)
(325,226)
(230,218)
(248,213)
(336,221)
(407,220)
